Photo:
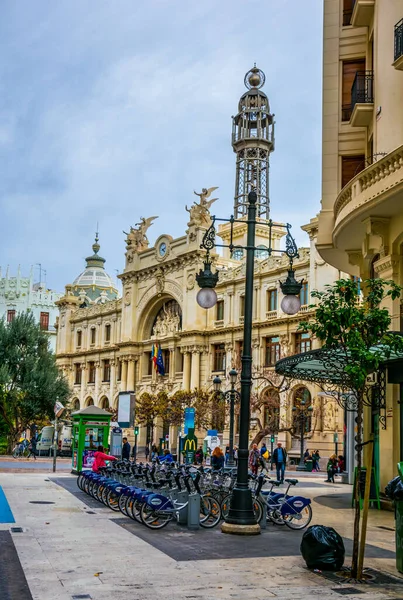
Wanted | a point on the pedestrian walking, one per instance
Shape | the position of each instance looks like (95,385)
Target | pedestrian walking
(226,454)
(332,466)
(147,452)
(264,456)
(254,459)
(99,459)
(199,456)
(217,458)
(125,449)
(315,460)
(280,459)
(236,455)
(32,447)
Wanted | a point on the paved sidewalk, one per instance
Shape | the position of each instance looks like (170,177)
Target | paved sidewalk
(68,550)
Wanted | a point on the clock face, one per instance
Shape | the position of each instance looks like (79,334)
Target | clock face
(163,249)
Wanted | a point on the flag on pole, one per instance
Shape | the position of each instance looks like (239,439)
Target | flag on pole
(160,361)
(154,357)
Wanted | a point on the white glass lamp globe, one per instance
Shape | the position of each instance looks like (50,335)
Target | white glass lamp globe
(206,298)
(290,305)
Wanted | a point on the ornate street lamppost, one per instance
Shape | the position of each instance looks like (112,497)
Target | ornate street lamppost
(303,415)
(231,395)
(241,518)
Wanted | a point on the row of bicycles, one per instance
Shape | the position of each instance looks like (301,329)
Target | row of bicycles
(156,494)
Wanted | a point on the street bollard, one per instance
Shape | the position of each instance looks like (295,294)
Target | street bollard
(194,511)
(183,514)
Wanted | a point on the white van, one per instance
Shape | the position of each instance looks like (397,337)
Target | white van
(45,440)
(64,440)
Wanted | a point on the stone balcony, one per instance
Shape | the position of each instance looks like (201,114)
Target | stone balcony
(378,190)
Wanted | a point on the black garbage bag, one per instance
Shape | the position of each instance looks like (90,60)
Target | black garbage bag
(398,491)
(390,488)
(322,548)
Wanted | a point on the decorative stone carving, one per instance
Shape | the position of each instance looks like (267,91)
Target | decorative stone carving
(167,321)
(285,344)
(136,239)
(159,280)
(200,213)
(190,281)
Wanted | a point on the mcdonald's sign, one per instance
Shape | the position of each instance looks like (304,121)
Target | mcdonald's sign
(190,446)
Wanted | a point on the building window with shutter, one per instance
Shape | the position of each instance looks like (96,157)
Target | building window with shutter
(107,333)
(44,321)
(93,336)
(350,68)
(219,357)
(271,300)
(303,343)
(77,374)
(350,167)
(106,375)
(91,372)
(304,294)
(10,316)
(220,310)
(79,338)
(272,354)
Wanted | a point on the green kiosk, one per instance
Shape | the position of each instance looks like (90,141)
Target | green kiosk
(91,428)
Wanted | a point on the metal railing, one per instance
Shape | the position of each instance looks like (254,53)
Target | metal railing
(399,39)
(362,90)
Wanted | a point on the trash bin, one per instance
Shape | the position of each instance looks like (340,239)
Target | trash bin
(308,465)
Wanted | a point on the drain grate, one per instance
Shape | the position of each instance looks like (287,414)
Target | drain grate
(82,597)
(40,502)
(347,591)
(16,530)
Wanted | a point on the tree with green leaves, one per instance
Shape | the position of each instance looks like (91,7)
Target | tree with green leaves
(30,382)
(353,329)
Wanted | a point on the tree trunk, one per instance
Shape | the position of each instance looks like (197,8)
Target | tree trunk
(357,515)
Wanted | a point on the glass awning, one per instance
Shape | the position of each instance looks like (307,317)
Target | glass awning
(326,364)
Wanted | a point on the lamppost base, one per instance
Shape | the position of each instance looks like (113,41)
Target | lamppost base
(235,529)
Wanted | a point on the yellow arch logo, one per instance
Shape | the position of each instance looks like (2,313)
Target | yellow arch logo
(190,445)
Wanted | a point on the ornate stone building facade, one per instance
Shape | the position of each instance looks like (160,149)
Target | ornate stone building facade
(104,347)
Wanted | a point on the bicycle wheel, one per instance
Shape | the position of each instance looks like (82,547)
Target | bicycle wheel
(301,520)
(210,512)
(112,500)
(225,503)
(80,481)
(123,504)
(258,510)
(153,519)
(133,509)
(25,452)
(275,516)
(16,453)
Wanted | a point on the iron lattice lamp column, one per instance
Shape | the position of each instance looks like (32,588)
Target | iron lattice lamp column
(302,417)
(230,395)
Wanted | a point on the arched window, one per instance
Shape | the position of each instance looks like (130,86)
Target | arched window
(89,402)
(75,404)
(302,400)
(271,407)
(104,403)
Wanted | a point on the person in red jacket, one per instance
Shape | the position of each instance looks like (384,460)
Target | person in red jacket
(100,458)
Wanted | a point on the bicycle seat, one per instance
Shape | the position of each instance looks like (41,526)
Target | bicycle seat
(291,481)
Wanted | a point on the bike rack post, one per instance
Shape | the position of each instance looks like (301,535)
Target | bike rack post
(193,520)
(183,514)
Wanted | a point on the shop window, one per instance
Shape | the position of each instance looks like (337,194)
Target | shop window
(220,310)
(303,342)
(219,355)
(107,333)
(91,372)
(44,321)
(106,371)
(79,338)
(77,374)
(10,316)
(271,300)
(272,354)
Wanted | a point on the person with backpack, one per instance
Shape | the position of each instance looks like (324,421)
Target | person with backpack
(280,459)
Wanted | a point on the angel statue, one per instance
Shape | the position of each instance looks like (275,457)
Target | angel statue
(200,213)
(136,238)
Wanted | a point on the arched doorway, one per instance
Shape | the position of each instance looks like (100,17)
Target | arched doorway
(302,400)
(75,405)
(104,403)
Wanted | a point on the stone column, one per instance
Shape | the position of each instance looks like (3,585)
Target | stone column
(230,303)
(83,383)
(256,308)
(97,381)
(195,372)
(186,369)
(130,375)
(123,381)
(172,363)
(112,381)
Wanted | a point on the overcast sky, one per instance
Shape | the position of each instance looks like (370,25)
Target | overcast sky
(115,109)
